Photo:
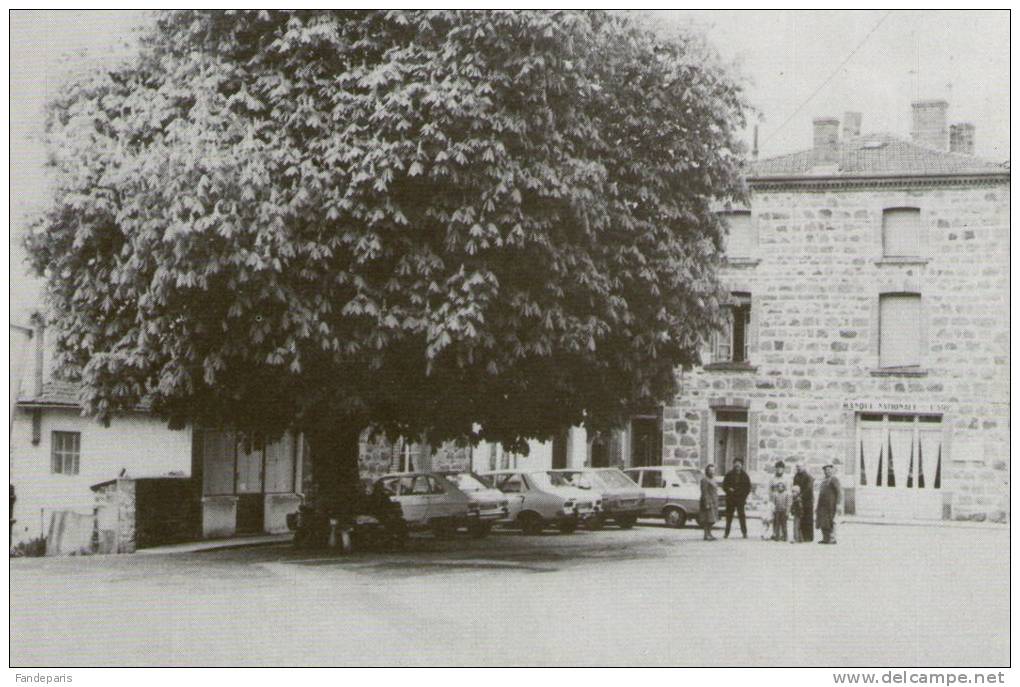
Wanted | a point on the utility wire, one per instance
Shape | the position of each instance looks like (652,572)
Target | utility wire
(828,79)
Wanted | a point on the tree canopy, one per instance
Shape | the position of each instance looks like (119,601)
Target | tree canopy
(429,222)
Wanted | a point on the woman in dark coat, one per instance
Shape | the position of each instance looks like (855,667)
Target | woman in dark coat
(708,506)
(806,482)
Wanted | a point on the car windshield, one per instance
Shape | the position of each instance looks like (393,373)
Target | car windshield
(614,478)
(467,481)
(544,480)
(578,480)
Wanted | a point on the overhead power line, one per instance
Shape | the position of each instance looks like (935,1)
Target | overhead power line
(828,79)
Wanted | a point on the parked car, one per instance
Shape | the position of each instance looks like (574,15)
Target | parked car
(538,499)
(622,499)
(671,493)
(429,501)
(488,505)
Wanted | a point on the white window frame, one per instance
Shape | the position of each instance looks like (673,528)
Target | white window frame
(65,461)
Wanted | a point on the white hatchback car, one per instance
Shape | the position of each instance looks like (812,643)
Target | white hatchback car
(429,501)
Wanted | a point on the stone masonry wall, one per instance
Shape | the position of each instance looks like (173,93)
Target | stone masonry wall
(814,343)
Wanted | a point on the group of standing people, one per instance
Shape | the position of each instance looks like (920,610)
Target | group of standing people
(794,510)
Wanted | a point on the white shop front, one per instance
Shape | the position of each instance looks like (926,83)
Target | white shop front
(898,459)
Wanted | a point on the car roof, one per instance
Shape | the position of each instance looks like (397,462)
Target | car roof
(406,474)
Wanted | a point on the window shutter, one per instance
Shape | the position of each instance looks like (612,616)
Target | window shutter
(739,240)
(900,330)
(901,232)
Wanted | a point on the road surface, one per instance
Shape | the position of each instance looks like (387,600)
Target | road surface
(886,595)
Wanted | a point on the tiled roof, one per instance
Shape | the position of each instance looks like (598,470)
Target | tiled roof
(876,155)
(55,393)
(58,393)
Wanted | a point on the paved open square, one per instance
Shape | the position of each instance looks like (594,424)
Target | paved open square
(652,596)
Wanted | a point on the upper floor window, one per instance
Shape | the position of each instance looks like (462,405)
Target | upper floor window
(899,330)
(731,344)
(739,241)
(901,232)
(66,447)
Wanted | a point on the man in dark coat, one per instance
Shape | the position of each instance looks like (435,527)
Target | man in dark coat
(737,485)
(829,493)
(806,483)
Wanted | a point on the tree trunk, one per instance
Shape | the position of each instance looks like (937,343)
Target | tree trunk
(335,452)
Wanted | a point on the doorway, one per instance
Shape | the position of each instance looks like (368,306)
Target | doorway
(645,442)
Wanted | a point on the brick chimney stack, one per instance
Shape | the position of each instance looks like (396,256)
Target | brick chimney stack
(961,138)
(826,141)
(851,125)
(930,124)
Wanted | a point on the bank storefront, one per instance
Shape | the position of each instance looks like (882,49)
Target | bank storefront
(897,459)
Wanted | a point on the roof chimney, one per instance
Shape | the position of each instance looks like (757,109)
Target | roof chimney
(826,141)
(851,125)
(961,138)
(930,124)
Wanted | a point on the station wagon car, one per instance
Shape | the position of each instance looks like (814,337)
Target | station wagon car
(538,499)
(622,499)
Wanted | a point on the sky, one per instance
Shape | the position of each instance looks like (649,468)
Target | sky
(791,61)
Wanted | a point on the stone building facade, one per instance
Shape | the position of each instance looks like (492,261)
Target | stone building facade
(869,325)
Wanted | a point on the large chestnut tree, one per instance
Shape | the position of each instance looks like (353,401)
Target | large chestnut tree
(481,225)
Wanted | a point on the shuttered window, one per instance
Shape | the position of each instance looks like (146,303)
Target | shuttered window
(901,232)
(899,330)
(739,236)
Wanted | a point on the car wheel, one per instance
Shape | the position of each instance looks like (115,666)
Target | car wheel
(568,526)
(531,523)
(675,517)
(625,522)
(597,523)
(479,529)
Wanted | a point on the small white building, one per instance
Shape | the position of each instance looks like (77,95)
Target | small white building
(57,456)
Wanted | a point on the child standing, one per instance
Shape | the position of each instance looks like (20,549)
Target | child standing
(781,501)
(766,520)
(796,510)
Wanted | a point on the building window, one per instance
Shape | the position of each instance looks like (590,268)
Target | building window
(901,232)
(66,452)
(899,451)
(739,241)
(899,330)
(730,435)
(730,345)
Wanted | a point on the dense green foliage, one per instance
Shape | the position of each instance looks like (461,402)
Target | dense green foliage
(424,221)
